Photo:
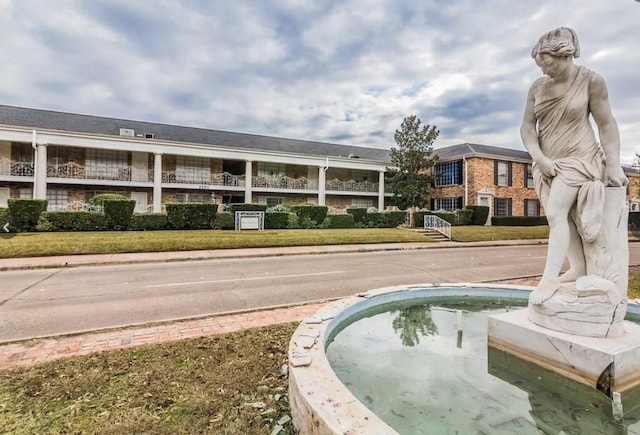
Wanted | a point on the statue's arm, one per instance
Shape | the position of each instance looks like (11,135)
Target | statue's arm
(529,135)
(607,128)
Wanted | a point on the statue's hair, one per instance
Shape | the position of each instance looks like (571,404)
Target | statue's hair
(561,42)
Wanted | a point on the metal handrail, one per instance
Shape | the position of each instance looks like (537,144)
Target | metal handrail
(438,224)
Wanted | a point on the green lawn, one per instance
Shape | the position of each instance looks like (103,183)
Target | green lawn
(113,242)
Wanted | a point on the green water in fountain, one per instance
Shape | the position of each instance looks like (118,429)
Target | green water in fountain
(424,368)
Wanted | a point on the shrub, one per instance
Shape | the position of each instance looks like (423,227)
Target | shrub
(310,216)
(479,215)
(148,222)
(293,222)
(191,216)
(118,213)
(99,199)
(233,208)
(4,214)
(339,221)
(25,213)
(359,214)
(389,219)
(72,221)
(518,221)
(276,220)
(224,221)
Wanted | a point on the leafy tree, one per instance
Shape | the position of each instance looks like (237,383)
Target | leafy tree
(410,180)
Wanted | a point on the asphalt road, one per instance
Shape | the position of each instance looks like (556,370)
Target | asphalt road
(45,302)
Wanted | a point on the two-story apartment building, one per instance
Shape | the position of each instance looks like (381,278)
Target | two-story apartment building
(500,178)
(68,158)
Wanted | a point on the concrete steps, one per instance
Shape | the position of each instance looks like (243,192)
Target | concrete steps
(431,233)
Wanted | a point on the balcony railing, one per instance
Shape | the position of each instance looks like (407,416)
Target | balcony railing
(16,169)
(217,179)
(351,186)
(284,182)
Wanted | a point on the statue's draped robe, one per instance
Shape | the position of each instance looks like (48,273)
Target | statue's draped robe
(566,137)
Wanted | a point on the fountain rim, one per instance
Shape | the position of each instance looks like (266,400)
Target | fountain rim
(320,403)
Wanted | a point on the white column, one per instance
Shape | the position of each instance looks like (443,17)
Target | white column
(40,173)
(322,177)
(381,191)
(157,183)
(248,181)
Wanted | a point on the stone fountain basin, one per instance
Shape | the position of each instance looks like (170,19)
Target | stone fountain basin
(320,403)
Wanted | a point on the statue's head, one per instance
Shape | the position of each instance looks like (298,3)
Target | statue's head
(561,42)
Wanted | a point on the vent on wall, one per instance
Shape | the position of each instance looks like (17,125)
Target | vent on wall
(127,132)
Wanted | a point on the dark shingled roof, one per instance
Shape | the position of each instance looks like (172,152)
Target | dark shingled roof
(71,122)
(456,152)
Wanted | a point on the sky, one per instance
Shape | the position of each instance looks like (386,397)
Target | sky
(338,71)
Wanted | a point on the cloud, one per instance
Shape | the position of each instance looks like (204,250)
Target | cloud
(335,71)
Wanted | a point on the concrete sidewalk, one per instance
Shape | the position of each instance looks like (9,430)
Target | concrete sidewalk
(216,254)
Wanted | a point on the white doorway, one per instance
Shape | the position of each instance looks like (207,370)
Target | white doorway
(141,201)
(4,197)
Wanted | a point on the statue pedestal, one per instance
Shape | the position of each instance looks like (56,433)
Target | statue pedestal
(608,364)
(583,308)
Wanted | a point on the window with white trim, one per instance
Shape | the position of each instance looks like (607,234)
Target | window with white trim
(57,199)
(195,197)
(448,173)
(449,204)
(361,202)
(270,201)
(271,170)
(107,164)
(194,170)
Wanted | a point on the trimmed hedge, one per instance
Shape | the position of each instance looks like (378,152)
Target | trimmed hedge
(72,221)
(480,214)
(4,214)
(224,221)
(25,213)
(276,220)
(310,216)
(335,221)
(385,219)
(233,208)
(518,221)
(191,216)
(100,198)
(118,213)
(359,214)
(148,222)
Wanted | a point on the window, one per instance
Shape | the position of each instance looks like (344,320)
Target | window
(528,176)
(361,202)
(448,174)
(107,164)
(502,173)
(449,204)
(57,199)
(502,207)
(195,197)
(531,207)
(270,201)
(271,170)
(194,170)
